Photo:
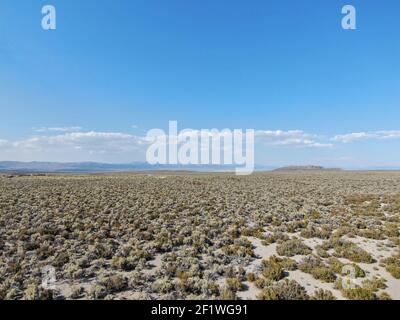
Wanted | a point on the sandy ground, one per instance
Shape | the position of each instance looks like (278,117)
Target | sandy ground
(378,249)
(155,265)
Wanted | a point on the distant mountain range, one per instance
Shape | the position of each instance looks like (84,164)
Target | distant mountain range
(96,167)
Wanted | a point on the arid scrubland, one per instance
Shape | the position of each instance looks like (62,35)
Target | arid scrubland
(280,235)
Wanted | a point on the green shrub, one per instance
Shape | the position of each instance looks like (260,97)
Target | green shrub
(321,252)
(272,270)
(395,241)
(261,283)
(374,284)
(313,232)
(288,264)
(234,284)
(322,294)
(385,296)
(36,292)
(292,248)
(238,250)
(32,292)
(371,234)
(307,264)
(3,292)
(335,265)
(359,294)
(359,273)
(284,290)
(394,270)
(274,237)
(114,283)
(123,263)
(212,289)
(251,277)
(228,294)
(60,260)
(101,250)
(351,251)
(163,285)
(324,274)
(392,265)
(97,291)
(313,215)
(391,230)
(76,292)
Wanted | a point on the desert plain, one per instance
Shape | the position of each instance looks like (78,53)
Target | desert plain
(296,235)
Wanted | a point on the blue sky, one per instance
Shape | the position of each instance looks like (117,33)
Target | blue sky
(115,69)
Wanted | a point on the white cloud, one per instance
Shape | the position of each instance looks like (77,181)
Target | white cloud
(57,129)
(122,147)
(291,138)
(90,141)
(76,147)
(59,144)
(350,137)
(356,136)
(388,134)
(277,138)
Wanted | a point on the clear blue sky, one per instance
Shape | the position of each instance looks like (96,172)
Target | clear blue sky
(129,66)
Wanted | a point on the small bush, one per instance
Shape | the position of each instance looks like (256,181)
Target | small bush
(261,283)
(163,285)
(292,248)
(359,273)
(228,294)
(392,265)
(234,284)
(60,260)
(76,292)
(322,294)
(359,294)
(323,274)
(374,284)
(385,296)
(307,264)
(123,264)
(335,265)
(313,232)
(284,290)
(321,252)
(272,270)
(251,277)
(36,292)
(97,292)
(351,251)
(114,283)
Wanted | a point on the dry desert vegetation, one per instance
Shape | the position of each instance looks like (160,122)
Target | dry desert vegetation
(277,235)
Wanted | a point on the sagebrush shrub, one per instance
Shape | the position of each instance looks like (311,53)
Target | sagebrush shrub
(292,248)
(284,290)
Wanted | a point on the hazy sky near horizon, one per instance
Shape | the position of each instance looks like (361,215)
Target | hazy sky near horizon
(90,90)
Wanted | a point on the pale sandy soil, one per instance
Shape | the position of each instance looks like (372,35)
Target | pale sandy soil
(311,284)
(155,265)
